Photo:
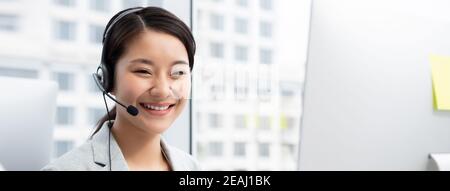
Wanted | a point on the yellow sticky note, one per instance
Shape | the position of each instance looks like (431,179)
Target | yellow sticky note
(440,75)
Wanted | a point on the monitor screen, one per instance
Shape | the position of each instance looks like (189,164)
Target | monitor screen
(368,98)
(27,109)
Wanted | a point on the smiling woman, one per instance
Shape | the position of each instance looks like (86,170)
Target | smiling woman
(147,58)
(151,71)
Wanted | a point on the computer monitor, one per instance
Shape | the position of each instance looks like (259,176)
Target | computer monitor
(27,109)
(368,101)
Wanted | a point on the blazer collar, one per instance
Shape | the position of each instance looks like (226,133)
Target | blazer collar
(101,153)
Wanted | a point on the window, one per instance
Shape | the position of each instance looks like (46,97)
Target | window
(215,149)
(65,30)
(287,92)
(94,114)
(241,53)
(99,5)
(266,4)
(92,86)
(131,3)
(241,25)
(264,85)
(8,22)
(264,150)
(264,89)
(217,86)
(265,56)
(61,147)
(241,85)
(264,122)
(202,149)
(215,120)
(290,122)
(65,115)
(239,149)
(17,72)
(217,22)
(240,122)
(217,50)
(289,89)
(66,3)
(96,34)
(242,3)
(265,29)
(65,80)
(288,150)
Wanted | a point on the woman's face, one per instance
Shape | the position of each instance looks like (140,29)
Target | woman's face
(153,74)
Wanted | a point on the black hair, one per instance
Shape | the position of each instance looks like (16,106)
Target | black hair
(124,29)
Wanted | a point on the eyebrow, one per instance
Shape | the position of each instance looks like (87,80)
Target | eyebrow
(149,62)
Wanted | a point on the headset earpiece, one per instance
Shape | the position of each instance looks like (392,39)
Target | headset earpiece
(103,77)
(106,81)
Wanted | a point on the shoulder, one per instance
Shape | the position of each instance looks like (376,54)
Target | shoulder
(79,158)
(182,160)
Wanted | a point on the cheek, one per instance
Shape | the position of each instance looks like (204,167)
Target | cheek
(186,91)
(183,92)
(180,106)
(182,89)
(130,88)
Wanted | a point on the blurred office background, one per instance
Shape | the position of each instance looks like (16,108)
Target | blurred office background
(247,80)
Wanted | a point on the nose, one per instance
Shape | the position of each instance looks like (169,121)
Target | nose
(161,88)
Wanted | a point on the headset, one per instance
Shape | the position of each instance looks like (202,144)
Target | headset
(103,79)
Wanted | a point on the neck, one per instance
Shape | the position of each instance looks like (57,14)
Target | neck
(141,149)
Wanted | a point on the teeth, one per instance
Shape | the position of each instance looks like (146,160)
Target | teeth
(156,107)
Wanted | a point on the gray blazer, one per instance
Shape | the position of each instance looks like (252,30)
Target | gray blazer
(94,155)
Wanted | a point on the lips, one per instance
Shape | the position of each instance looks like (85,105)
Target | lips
(157,108)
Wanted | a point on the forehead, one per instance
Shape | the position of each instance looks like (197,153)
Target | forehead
(157,46)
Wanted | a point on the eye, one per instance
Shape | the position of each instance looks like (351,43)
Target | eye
(178,73)
(143,72)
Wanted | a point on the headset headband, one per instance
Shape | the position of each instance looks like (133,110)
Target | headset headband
(125,13)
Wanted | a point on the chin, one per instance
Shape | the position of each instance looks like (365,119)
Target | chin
(156,127)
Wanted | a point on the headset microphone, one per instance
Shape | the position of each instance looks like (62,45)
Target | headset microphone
(130,109)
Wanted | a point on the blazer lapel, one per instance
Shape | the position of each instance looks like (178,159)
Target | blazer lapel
(174,161)
(100,151)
